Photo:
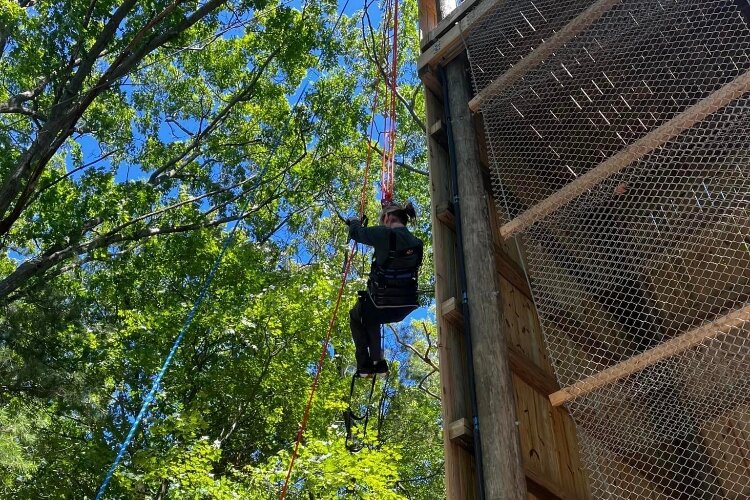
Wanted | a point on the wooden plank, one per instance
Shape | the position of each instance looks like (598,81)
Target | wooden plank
(530,373)
(538,55)
(446,216)
(461,433)
(451,311)
(537,439)
(520,364)
(509,270)
(450,44)
(652,356)
(572,473)
(633,152)
(543,487)
(431,81)
(446,23)
(437,132)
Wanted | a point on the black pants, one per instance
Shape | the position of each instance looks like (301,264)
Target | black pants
(366,336)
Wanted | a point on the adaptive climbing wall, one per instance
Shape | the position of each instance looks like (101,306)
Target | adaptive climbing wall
(619,143)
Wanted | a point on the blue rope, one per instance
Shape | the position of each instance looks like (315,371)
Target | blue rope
(204,288)
(189,319)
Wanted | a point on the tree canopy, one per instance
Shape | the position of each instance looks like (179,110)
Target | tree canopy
(133,136)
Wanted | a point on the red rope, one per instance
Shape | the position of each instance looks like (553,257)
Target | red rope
(388,161)
(332,322)
(389,151)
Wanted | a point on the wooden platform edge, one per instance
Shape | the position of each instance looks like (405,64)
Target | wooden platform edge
(445,24)
(450,43)
(652,356)
(635,151)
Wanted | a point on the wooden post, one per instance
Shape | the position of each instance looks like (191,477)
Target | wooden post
(427,18)
(459,475)
(502,464)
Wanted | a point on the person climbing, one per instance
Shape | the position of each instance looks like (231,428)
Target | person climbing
(392,284)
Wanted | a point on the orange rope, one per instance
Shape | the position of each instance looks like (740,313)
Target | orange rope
(332,322)
(389,151)
(388,161)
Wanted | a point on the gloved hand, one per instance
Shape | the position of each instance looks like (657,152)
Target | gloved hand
(362,221)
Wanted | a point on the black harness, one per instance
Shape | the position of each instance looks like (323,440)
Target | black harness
(392,288)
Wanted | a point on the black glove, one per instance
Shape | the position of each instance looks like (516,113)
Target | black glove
(362,221)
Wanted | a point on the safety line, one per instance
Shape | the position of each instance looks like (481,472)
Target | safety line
(332,321)
(196,304)
(389,114)
(204,289)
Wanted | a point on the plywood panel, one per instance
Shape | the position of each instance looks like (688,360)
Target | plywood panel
(727,441)
(703,274)
(538,444)
(628,484)
(572,472)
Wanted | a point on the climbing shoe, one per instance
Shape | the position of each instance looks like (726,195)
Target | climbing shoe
(366,371)
(380,367)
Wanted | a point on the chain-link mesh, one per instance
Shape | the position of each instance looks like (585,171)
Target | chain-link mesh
(655,250)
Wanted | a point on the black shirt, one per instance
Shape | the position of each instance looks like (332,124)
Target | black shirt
(378,237)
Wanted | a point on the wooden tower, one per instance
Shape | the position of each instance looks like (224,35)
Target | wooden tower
(532,443)
(624,127)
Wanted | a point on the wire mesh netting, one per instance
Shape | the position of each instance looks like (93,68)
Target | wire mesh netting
(649,252)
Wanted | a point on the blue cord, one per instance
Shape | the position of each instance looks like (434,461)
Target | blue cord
(203,291)
(189,319)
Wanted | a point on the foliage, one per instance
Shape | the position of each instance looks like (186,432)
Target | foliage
(132,135)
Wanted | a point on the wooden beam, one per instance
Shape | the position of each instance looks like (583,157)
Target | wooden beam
(573,28)
(461,433)
(510,270)
(446,216)
(451,310)
(544,487)
(445,24)
(520,364)
(652,356)
(637,150)
(437,132)
(450,44)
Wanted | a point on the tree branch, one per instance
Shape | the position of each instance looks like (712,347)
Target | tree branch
(156,177)
(373,56)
